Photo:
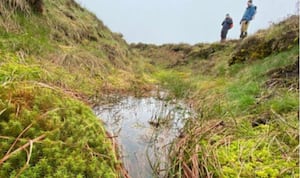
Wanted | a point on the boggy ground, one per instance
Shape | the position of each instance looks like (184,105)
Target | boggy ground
(56,54)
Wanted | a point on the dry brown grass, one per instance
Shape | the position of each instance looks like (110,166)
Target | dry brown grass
(14,5)
(187,156)
(10,6)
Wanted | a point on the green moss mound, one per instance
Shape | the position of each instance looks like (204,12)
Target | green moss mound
(74,143)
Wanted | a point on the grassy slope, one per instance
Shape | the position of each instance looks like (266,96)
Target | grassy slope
(48,62)
(72,46)
(247,124)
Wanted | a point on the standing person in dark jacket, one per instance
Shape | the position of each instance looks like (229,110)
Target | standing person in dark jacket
(227,24)
(247,17)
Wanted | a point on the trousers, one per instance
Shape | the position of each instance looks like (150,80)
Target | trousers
(245,26)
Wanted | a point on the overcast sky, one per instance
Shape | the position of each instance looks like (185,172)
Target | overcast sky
(187,21)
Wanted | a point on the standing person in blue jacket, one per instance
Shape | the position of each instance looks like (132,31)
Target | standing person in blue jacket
(247,17)
(227,24)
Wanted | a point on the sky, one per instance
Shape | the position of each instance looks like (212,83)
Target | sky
(183,21)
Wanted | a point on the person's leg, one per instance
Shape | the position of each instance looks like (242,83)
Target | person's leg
(223,35)
(244,29)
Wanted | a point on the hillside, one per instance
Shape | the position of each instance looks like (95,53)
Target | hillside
(57,60)
(63,37)
(246,97)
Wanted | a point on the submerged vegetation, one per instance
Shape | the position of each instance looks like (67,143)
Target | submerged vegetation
(56,59)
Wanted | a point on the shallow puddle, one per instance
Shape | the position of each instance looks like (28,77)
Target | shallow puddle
(144,128)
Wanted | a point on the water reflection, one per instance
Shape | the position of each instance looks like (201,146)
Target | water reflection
(144,128)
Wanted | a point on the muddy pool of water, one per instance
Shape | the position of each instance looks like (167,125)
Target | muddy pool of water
(144,129)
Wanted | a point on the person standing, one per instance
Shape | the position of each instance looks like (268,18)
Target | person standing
(247,17)
(227,24)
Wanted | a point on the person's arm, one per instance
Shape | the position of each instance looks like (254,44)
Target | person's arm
(244,17)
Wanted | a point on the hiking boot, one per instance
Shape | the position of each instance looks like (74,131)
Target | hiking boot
(243,35)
